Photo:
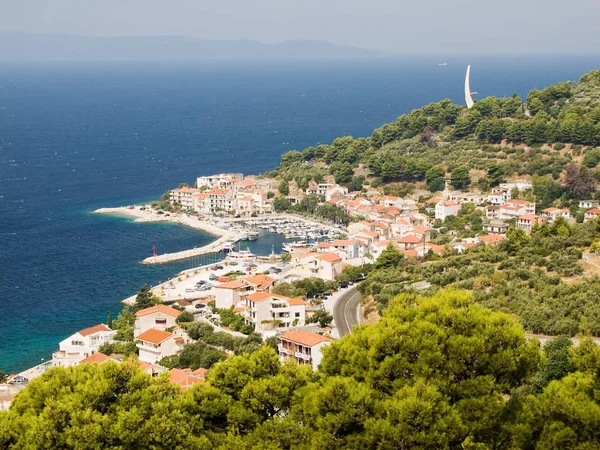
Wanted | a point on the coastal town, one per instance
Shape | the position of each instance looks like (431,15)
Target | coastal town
(233,207)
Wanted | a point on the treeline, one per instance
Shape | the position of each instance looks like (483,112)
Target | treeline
(435,372)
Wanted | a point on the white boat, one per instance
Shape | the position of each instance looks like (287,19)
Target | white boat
(241,255)
(228,247)
(252,235)
(289,246)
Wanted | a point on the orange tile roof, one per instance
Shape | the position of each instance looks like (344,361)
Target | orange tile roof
(528,217)
(492,238)
(411,252)
(328,257)
(201,372)
(324,244)
(409,239)
(184,377)
(260,281)
(259,296)
(235,284)
(96,358)
(154,336)
(304,337)
(297,301)
(156,309)
(94,329)
(593,211)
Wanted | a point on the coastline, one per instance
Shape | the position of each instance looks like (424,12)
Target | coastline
(222,235)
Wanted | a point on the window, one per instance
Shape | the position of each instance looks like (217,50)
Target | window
(161,322)
(297,314)
(78,343)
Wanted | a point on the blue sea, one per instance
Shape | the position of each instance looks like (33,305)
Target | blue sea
(78,136)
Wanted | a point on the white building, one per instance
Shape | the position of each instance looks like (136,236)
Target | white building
(159,317)
(554,213)
(184,197)
(446,208)
(513,209)
(527,221)
(82,344)
(153,345)
(265,311)
(221,180)
(230,294)
(303,346)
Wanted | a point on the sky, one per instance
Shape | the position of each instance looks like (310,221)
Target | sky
(399,26)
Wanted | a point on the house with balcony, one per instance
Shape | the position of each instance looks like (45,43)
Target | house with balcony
(184,197)
(154,344)
(554,213)
(220,200)
(513,209)
(159,317)
(82,344)
(495,227)
(591,214)
(527,221)
(266,311)
(221,180)
(260,283)
(350,247)
(230,293)
(304,347)
(326,266)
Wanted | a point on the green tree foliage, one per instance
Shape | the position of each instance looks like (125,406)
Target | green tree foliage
(495,174)
(270,194)
(281,205)
(591,158)
(109,321)
(194,356)
(557,362)
(459,177)
(145,299)
(286,257)
(390,257)
(322,317)
(284,187)
(184,317)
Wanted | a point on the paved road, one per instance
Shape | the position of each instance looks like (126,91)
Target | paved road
(346,311)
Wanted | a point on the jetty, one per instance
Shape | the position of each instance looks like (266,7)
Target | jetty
(146,214)
(213,247)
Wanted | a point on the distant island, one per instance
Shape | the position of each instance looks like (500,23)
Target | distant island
(27,46)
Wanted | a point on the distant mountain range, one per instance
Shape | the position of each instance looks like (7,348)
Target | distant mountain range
(26,46)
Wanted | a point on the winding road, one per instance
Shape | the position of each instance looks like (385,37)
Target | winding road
(346,311)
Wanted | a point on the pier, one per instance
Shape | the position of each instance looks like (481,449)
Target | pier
(213,247)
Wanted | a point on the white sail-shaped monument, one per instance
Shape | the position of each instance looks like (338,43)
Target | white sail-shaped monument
(468,99)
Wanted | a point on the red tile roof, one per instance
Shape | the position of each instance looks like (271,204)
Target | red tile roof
(156,309)
(154,336)
(304,337)
(235,284)
(328,257)
(94,329)
(260,281)
(96,358)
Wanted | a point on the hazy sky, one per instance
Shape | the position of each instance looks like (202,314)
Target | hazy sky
(433,26)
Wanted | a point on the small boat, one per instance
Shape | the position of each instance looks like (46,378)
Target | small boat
(241,255)
(228,247)
(252,235)
(289,246)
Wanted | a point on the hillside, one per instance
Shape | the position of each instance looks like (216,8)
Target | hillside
(508,137)
(25,46)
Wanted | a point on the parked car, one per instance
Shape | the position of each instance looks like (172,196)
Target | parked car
(233,263)
(344,285)
(248,269)
(327,294)
(277,270)
(215,267)
(19,379)
(199,305)
(220,267)
(201,282)
(212,276)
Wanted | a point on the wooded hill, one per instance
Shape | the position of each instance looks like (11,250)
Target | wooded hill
(540,136)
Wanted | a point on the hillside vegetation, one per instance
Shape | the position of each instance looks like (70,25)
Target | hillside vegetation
(502,137)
